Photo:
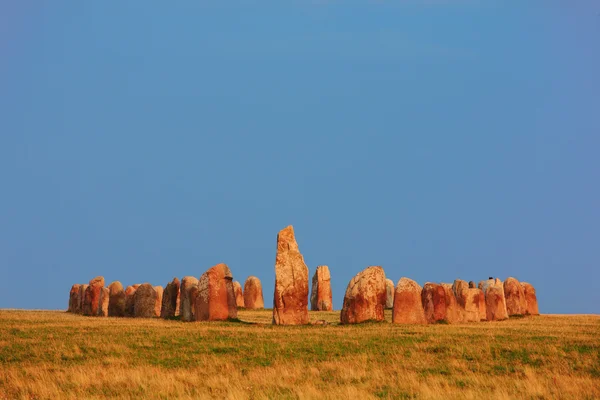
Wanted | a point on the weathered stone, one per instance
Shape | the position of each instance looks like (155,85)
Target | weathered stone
(104,300)
(253,294)
(389,291)
(159,296)
(82,290)
(495,302)
(453,310)
(187,305)
(408,308)
(468,299)
(130,300)
(144,301)
(365,297)
(290,298)
(239,295)
(74,300)
(515,297)
(116,300)
(320,297)
(482,306)
(216,300)
(433,298)
(531,303)
(169,300)
(472,285)
(91,301)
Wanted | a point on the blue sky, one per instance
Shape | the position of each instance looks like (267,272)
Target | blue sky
(144,140)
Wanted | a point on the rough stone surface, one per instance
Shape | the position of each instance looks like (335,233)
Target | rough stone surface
(91,301)
(169,300)
(320,297)
(117,300)
(216,300)
(74,300)
(515,297)
(159,295)
(144,301)
(389,291)
(253,294)
(187,312)
(472,285)
(454,313)
(531,303)
(129,300)
(468,299)
(408,308)
(495,302)
(433,298)
(82,290)
(482,306)
(365,297)
(104,300)
(290,297)
(239,294)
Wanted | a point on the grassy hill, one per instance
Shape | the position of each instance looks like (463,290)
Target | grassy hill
(52,355)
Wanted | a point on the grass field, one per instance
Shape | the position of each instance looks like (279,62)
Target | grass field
(55,355)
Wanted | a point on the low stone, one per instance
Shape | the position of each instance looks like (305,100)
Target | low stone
(531,303)
(144,301)
(365,297)
(117,300)
(408,308)
(239,294)
(515,297)
(253,294)
(216,300)
(433,298)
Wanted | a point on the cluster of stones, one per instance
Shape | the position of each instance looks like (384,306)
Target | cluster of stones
(213,297)
(216,297)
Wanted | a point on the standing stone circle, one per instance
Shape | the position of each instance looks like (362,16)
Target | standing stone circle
(290,297)
(253,294)
(365,297)
(408,308)
(321,297)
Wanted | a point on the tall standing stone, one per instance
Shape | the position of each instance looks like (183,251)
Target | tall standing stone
(169,300)
(104,299)
(408,308)
(389,291)
(159,295)
(453,310)
(216,297)
(531,303)
(469,300)
(365,297)
(253,294)
(321,298)
(91,301)
(495,302)
(144,301)
(130,300)
(433,298)
(187,305)
(117,300)
(515,297)
(239,294)
(74,300)
(290,299)
(82,290)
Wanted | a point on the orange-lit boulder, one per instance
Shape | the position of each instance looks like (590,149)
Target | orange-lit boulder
(365,297)
(433,298)
(74,300)
(187,305)
(239,294)
(144,301)
(531,303)
(216,300)
(117,300)
(253,294)
(408,308)
(91,301)
(515,297)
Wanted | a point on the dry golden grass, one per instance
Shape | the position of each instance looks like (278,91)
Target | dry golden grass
(54,355)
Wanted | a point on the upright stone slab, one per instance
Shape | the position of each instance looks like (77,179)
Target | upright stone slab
(130,300)
(365,297)
(389,290)
(453,310)
(531,303)
(104,300)
(290,298)
(144,301)
(433,298)
(253,294)
(91,302)
(468,299)
(515,297)
(74,300)
(321,298)
(82,290)
(117,300)
(408,308)
(495,302)
(216,300)
(159,295)
(187,312)
(169,300)
(239,294)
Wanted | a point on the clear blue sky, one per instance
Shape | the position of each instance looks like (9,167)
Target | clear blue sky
(143,140)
